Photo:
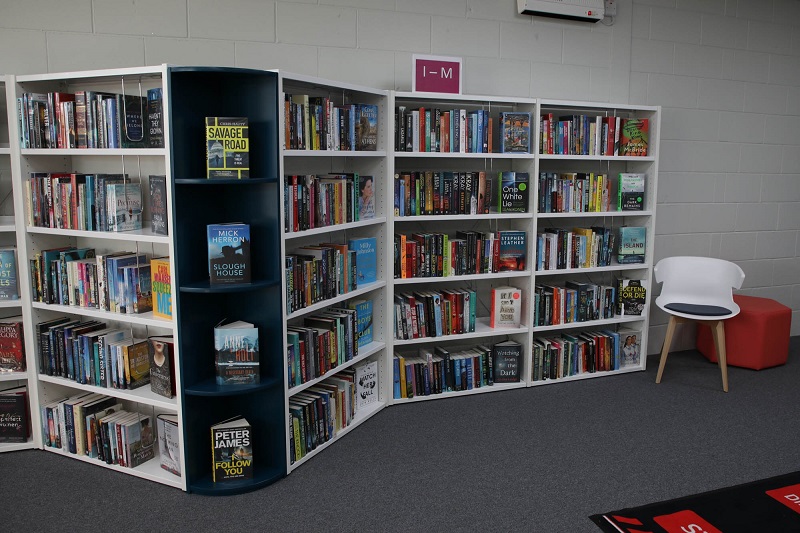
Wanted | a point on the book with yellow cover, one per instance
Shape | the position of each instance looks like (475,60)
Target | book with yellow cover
(227,147)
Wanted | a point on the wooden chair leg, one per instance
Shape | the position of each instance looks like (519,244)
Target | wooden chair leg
(673,321)
(718,331)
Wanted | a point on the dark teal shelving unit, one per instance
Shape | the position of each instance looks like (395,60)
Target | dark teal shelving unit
(195,93)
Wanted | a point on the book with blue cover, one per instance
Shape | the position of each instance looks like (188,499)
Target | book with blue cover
(366,259)
(363,310)
(229,253)
(631,244)
(8,274)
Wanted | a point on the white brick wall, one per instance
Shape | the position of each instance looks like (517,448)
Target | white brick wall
(727,73)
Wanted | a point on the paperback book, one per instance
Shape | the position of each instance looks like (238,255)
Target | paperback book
(366,198)
(229,253)
(631,341)
(14,418)
(124,206)
(367,127)
(366,259)
(12,345)
(227,147)
(506,310)
(139,439)
(631,244)
(8,274)
(162,365)
(634,136)
(236,353)
(363,310)
(512,251)
(366,385)
(630,192)
(515,132)
(631,296)
(132,112)
(161,288)
(168,443)
(507,358)
(158,204)
(514,192)
(155,119)
(232,450)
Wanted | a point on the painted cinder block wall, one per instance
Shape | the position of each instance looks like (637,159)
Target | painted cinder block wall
(726,72)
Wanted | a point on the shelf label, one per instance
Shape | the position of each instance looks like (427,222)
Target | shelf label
(436,74)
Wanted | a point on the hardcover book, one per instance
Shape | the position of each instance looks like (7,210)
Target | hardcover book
(8,274)
(232,450)
(630,192)
(132,115)
(366,259)
(12,345)
(631,244)
(507,357)
(631,296)
(634,136)
(630,340)
(229,253)
(367,387)
(227,147)
(515,132)
(367,127)
(236,353)
(366,197)
(513,251)
(124,206)
(168,443)
(161,288)
(158,204)
(155,119)
(514,192)
(506,310)
(14,421)
(363,310)
(162,365)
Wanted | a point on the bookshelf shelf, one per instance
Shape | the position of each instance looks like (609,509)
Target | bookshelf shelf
(597,214)
(144,235)
(468,277)
(589,323)
(13,376)
(144,319)
(462,155)
(7,224)
(16,446)
(205,287)
(369,287)
(336,227)
(612,268)
(497,387)
(335,153)
(142,395)
(482,330)
(151,470)
(95,152)
(363,354)
(462,218)
(574,157)
(209,387)
(586,375)
(10,304)
(261,478)
(224,182)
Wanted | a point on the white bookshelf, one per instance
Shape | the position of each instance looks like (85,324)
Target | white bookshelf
(138,164)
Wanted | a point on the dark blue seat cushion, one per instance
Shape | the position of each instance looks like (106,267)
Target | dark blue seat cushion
(699,310)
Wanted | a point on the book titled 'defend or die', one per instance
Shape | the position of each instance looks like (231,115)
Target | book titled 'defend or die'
(232,448)
(227,148)
(229,253)
(236,353)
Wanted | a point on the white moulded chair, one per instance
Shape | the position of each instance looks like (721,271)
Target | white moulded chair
(698,289)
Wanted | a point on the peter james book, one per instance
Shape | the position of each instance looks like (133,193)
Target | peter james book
(227,148)
(229,253)
(232,450)
(236,353)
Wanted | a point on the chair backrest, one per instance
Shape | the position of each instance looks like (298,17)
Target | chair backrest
(698,280)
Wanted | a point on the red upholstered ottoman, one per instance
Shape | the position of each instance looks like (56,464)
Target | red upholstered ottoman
(756,338)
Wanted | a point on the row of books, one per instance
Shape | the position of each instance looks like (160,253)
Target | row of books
(435,370)
(573,302)
(317,273)
(561,248)
(423,314)
(461,131)
(94,353)
(323,342)
(317,201)
(579,353)
(425,255)
(93,202)
(317,123)
(593,135)
(90,119)
(14,414)
(320,412)
(98,426)
(119,282)
(582,192)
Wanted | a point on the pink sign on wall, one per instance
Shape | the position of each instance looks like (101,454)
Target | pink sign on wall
(436,74)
